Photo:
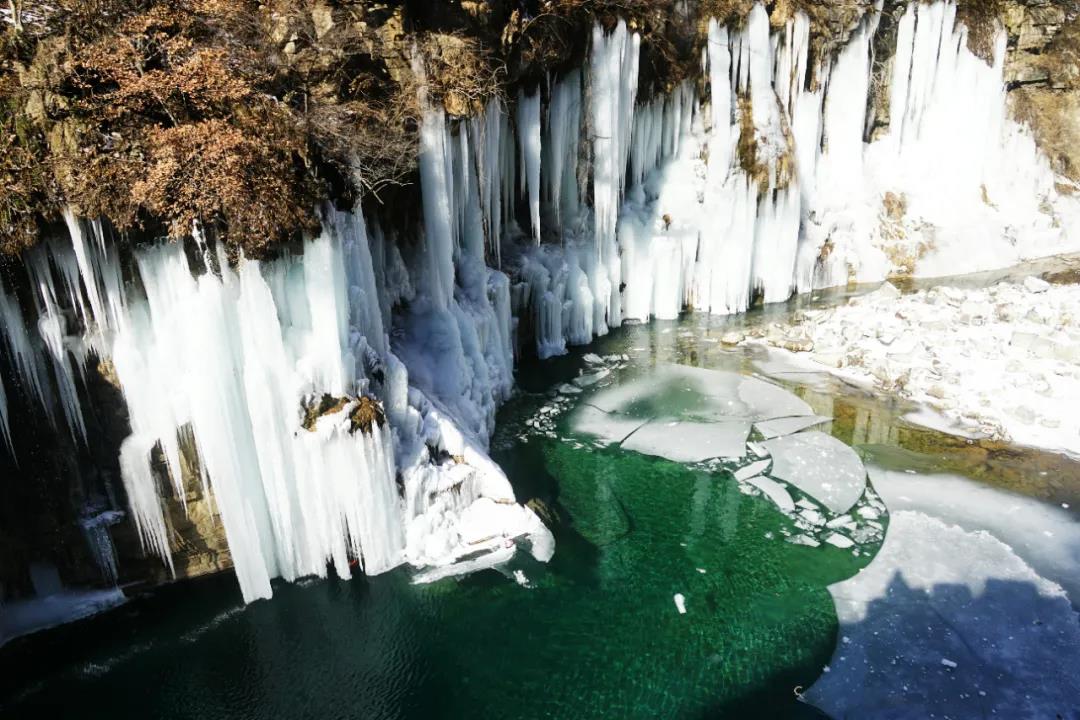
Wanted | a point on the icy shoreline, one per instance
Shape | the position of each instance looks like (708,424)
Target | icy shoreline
(1001,362)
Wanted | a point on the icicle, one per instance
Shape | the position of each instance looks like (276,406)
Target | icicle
(99,541)
(142,493)
(613,83)
(528,120)
(561,147)
(5,427)
(721,143)
(52,326)
(436,186)
(24,357)
(487,139)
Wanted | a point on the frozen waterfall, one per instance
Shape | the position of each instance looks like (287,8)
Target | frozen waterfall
(544,225)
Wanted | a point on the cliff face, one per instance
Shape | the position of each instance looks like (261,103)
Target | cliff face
(243,116)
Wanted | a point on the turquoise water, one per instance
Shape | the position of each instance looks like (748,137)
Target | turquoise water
(595,634)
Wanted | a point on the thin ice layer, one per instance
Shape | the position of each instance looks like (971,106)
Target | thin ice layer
(819,465)
(949,623)
(786,426)
(611,427)
(704,395)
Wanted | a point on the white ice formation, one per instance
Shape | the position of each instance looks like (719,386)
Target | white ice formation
(671,212)
(221,360)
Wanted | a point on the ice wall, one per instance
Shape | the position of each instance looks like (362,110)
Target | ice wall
(219,362)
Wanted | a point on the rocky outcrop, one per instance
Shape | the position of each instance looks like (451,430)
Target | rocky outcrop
(1043,72)
(364,412)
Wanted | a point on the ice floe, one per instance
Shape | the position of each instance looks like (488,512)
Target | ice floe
(700,394)
(774,491)
(690,442)
(785,426)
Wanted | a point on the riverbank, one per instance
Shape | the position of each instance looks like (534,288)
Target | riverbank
(1000,362)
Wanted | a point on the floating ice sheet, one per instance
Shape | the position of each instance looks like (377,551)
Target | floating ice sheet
(1046,537)
(819,465)
(690,442)
(22,617)
(950,623)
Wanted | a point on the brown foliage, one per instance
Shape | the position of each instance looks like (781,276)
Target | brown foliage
(171,115)
(210,171)
(177,111)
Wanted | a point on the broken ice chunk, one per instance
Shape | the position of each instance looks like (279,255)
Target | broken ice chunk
(842,522)
(591,379)
(819,465)
(840,541)
(690,442)
(773,491)
(787,426)
(757,449)
(868,513)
